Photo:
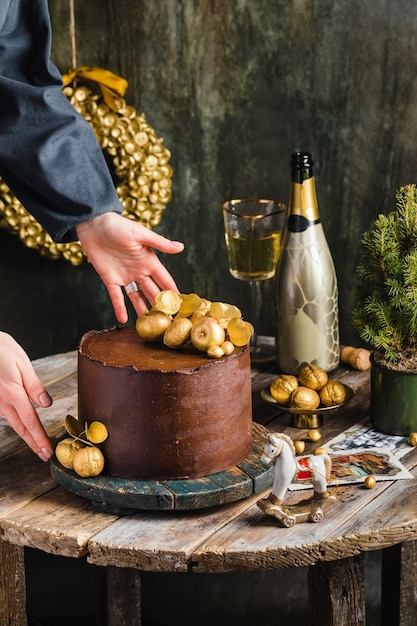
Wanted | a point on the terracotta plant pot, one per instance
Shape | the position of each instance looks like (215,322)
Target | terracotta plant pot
(393,407)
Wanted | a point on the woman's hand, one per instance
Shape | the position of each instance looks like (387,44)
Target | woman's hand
(18,385)
(120,251)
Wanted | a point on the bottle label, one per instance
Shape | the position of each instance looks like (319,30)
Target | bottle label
(299,223)
(303,200)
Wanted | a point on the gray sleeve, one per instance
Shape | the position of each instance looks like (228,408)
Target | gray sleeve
(49,155)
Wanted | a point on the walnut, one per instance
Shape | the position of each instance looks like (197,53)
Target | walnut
(282,388)
(333,393)
(65,451)
(313,376)
(304,398)
(88,461)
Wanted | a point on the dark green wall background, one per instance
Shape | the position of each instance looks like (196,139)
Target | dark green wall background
(233,88)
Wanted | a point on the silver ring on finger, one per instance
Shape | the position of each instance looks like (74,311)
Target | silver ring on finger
(132,287)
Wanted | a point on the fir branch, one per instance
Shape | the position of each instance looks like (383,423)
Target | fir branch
(386,293)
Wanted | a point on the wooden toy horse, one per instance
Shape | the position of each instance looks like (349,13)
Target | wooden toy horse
(315,469)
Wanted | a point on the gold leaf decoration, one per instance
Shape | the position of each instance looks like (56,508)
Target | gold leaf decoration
(73,426)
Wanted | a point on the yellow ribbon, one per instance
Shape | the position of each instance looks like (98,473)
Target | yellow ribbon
(111,85)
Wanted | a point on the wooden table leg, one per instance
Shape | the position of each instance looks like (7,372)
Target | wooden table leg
(123,597)
(336,592)
(399,585)
(12,585)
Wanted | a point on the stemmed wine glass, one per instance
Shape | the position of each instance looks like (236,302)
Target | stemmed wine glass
(253,232)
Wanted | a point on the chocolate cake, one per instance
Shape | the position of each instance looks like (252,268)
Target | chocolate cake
(170,413)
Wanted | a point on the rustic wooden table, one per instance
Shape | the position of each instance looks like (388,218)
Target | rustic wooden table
(36,512)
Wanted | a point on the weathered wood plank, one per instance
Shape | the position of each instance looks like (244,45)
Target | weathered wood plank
(337,593)
(388,519)
(161,541)
(12,586)
(24,478)
(254,541)
(58,523)
(55,367)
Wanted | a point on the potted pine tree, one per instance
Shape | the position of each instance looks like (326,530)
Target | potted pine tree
(386,313)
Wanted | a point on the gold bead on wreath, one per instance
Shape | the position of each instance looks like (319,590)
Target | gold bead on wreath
(140,164)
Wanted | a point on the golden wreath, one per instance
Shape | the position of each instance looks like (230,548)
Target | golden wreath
(139,160)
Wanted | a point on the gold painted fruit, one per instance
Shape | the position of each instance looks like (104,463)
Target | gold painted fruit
(227,347)
(282,387)
(88,461)
(152,325)
(313,376)
(206,333)
(333,393)
(65,451)
(304,398)
(178,333)
(215,352)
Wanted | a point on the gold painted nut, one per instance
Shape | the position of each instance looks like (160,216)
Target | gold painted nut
(313,376)
(412,440)
(299,447)
(282,387)
(304,398)
(370,482)
(314,434)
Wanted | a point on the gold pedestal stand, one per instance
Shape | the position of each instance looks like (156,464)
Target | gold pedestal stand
(303,418)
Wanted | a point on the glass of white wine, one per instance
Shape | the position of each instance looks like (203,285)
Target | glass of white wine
(253,232)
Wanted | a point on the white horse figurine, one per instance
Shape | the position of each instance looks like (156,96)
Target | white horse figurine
(314,468)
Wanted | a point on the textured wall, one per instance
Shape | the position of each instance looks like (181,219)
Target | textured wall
(235,87)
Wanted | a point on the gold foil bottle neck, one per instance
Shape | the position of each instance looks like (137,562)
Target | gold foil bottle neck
(303,200)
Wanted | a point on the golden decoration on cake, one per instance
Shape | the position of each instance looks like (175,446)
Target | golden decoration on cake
(138,158)
(79,452)
(178,320)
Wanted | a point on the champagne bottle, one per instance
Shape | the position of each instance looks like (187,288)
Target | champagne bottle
(307,316)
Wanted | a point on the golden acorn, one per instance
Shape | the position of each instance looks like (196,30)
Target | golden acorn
(304,398)
(333,393)
(313,376)
(282,388)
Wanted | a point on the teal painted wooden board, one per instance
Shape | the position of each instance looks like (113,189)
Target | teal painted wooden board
(122,496)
